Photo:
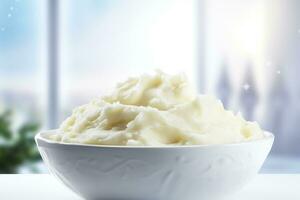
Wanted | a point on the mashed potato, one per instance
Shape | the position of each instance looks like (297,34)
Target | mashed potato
(155,110)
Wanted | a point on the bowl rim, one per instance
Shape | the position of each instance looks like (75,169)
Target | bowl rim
(44,142)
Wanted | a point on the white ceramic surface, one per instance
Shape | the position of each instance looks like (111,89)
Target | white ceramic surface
(204,172)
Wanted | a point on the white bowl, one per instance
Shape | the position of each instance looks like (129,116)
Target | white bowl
(176,173)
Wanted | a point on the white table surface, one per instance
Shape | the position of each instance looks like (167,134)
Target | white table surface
(45,187)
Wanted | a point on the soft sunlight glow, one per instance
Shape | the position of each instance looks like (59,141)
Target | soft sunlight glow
(235,40)
(248,34)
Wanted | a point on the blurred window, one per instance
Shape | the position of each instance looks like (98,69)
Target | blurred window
(22,84)
(106,41)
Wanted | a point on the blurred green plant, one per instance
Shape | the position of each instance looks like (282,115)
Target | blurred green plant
(17,147)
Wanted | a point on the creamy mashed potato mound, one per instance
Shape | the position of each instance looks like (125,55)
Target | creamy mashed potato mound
(155,110)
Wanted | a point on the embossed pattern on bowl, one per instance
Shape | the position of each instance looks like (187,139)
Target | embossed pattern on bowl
(183,172)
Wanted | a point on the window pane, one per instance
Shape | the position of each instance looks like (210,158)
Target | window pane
(21,73)
(252,54)
(106,41)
